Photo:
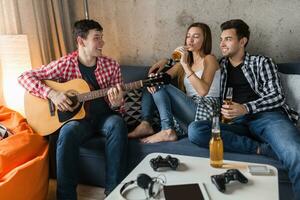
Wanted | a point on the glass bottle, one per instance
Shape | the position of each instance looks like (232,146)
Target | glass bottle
(216,144)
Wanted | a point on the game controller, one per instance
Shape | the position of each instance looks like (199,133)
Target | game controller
(159,162)
(230,175)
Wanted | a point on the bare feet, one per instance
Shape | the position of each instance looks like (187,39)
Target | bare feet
(142,130)
(162,136)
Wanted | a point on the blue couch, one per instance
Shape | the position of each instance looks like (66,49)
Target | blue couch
(92,158)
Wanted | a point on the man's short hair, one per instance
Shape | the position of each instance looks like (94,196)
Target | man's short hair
(82,27)
(241,28)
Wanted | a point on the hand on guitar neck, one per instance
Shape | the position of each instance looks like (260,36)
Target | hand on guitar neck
(60,100)
(115,95)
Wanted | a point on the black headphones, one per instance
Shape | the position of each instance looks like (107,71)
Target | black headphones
(145,182)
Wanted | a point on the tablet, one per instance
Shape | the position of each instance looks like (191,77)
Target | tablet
(184,191)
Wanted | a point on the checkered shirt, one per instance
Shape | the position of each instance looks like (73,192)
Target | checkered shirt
(262,75)
(108,74)
(206,107)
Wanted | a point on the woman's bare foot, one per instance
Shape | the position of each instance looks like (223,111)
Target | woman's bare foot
(162,136)
(142,130)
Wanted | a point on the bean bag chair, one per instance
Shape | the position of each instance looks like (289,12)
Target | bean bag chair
(24,167)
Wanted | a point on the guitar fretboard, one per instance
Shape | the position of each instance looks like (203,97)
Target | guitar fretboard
(103,92)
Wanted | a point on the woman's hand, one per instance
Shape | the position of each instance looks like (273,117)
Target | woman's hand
(184,59)
(157,67)
(152,89)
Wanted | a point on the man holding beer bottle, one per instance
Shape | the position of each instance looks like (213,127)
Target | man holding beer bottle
(258,108)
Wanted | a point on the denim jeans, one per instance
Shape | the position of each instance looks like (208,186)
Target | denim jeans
(75,133)
(272,127)
(170,102)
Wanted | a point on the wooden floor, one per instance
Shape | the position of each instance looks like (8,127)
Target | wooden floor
(84,192)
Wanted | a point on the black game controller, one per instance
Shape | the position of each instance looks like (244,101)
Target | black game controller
(230,175)
(164,162)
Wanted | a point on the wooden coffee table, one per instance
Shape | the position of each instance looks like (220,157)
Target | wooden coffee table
(198,170)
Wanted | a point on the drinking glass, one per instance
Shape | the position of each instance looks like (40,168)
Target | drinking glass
(227,101)
(176,55)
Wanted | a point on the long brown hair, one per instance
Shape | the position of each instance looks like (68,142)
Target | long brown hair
(205,47)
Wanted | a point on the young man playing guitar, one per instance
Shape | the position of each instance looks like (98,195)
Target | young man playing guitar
(102,116)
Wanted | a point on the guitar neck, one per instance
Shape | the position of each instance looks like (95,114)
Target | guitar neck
(103,92)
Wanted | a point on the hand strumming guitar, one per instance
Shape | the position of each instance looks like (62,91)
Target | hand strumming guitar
(60,100)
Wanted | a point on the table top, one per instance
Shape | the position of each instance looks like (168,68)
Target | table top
(198,170)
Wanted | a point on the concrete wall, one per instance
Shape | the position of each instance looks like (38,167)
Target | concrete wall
(142,31)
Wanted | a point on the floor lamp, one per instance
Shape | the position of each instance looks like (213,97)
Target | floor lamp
(14,59)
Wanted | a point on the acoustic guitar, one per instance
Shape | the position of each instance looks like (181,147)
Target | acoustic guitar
(43,116)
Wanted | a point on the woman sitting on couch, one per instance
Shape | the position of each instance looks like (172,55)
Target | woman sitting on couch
(198,77)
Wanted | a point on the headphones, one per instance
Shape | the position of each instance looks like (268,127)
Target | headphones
(145,182)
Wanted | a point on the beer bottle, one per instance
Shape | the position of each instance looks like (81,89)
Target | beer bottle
(216,144)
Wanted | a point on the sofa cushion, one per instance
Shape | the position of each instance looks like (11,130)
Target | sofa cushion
(291,83)
(132,114)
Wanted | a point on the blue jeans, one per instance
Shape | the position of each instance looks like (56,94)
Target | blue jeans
(170,102)
(272,127)
(75,133)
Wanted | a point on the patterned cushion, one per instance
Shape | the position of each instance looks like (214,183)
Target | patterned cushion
(133,113)
(133,107)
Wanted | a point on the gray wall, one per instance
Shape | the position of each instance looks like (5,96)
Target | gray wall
(142,31)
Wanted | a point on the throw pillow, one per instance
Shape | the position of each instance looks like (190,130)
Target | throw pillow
(290,84)
(133,110)
(132,114)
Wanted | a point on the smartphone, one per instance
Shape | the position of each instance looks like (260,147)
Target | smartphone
(262,170)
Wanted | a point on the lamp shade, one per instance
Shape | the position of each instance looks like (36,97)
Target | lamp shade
(14,59)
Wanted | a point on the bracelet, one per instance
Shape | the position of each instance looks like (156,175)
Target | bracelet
(190,75)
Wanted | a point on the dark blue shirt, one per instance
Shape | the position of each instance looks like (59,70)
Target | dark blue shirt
(99,106)
(242,91)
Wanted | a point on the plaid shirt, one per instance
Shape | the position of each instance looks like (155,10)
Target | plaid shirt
(261,73)
(108,74)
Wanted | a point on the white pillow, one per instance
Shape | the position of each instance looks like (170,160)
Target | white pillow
(291,87)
